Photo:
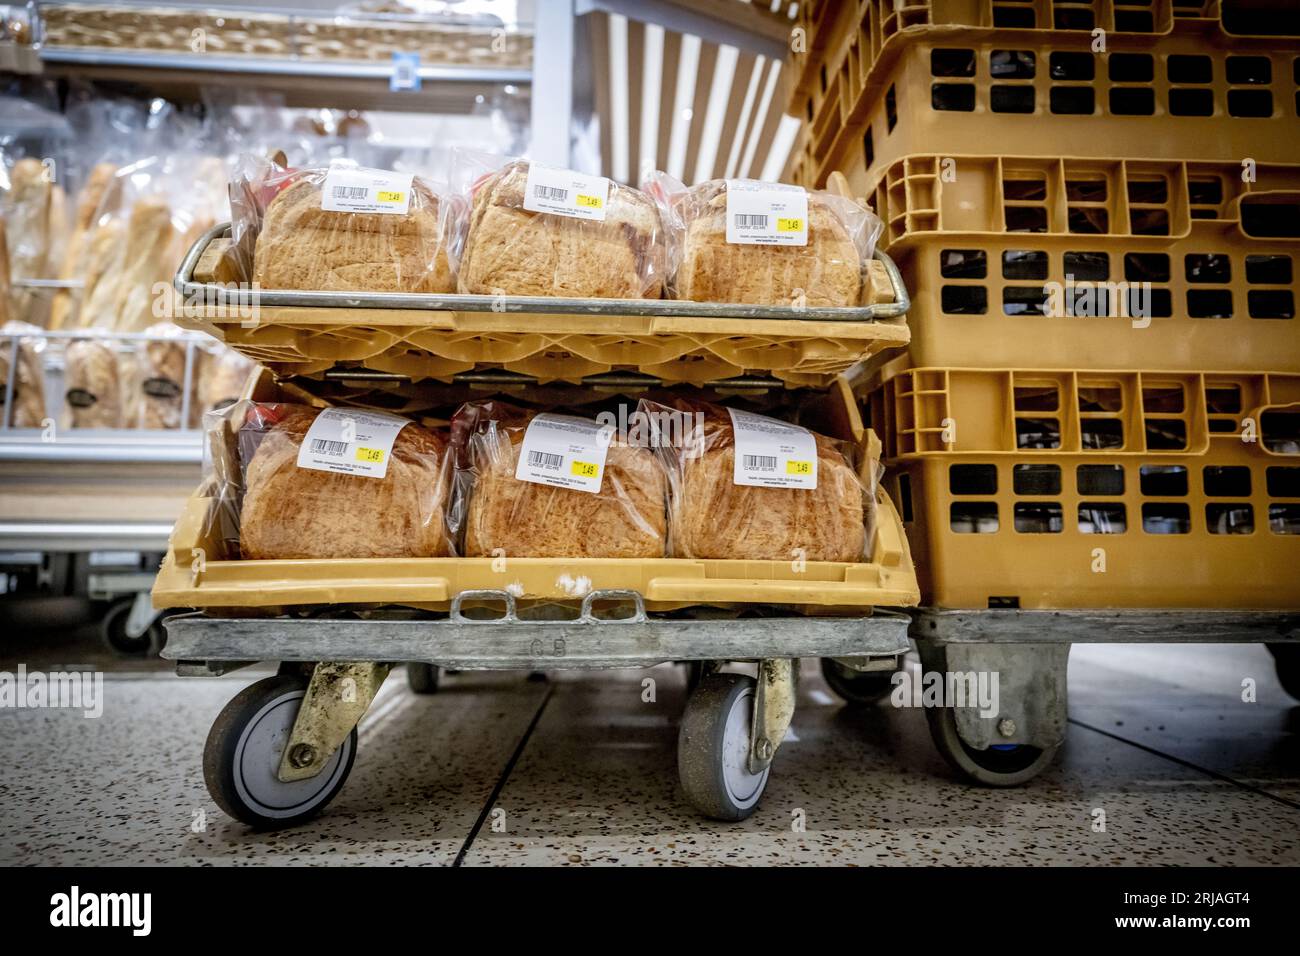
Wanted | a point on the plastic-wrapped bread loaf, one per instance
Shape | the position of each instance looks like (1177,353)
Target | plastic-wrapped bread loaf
(221,380)
(76,261)
(513,251)
(713,517)
(29,383)
(160,378)
(28,213)
(149,259)
(302,246)
(93,389)
(827,272)
(502,514)
(293,512)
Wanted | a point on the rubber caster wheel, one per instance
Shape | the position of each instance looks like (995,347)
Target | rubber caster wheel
(1286,661)
(243,751)
(713,748)
(1002,765)
(423,678)
(112,629)
(859,688)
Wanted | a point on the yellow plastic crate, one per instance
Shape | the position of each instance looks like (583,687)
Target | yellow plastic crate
(885,79)
(986,242)
(673,341)
(1121,489)
(193,574)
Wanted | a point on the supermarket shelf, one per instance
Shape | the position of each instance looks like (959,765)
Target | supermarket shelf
(65,536)
(93,446)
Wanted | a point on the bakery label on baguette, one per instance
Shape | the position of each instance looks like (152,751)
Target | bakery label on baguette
(772,453)
(564,452)
(350,442)
(766,214)
(566,193)
(357,189)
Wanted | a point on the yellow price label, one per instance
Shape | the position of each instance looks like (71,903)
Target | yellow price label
(798,468)
(372,455)
(788,225)
(592,202)
(585,469)
(390,196)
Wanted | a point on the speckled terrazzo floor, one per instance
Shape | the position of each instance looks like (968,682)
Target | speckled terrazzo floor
(583,771)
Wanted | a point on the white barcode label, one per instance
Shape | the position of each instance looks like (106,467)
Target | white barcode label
(564,452)
(766,214)
(355,189)
(566,193)
(771,453)
(350,442)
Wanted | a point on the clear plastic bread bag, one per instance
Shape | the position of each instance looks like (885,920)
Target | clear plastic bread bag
(299,482)
(534,230)
(340,228)
(160,377)
(92,381)
(546,485)
(22,358)
(750,487)
(757,243)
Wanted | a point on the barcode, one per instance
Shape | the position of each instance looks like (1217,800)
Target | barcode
(404,71)
(760,462)
(552,193)
(349,192)
(542,459)
(744,221)
(323,446)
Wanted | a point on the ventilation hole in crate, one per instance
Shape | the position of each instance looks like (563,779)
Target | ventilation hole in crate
(1205,192)
(1222,426)
(1072,100)
(1037,398)
(1024,190)
(1190,69)
(1254,70)
(1088,220)
(1036,479)
(868,148)
(1226,481)
(1011,99)
(1024,300)
(1134,21)
(1146,267)
(1153,190)
(1282,481)
(1160,303)
(1250,103)
(1074,18)
(1191,102)
(1210,267)
(1268,270)
(1209,303)
(1026,219)
(1024,264)
(1011,64)
(1148,222)
(973,479)
(973,517)
(1271,220)
(1003,603)
(1270,304)
(1071,66)
(1131,68)
(952,97)
(1163,399)
(891,109)
(1038,517)
(1100,398)
(905,498)
(1132,101)
(1102,517)
(1281,432)
(1166,434)
(810,111)
(964,299)
(1100,479)
(1087,266)
(1038,433)
(952,62)
(1166,517)
(1229,518)
(1284,518)
(823,75)
(963,264)
(1252,18)
(1223,399)
(1085,190)
(1163,481)
(1014,18)
(1097,434)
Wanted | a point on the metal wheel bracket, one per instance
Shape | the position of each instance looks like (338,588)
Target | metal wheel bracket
(337,695)
(1032,704)
(142,615)
(773,710)
(866,665)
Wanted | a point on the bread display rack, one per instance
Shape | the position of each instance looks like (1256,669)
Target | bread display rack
(337,627)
